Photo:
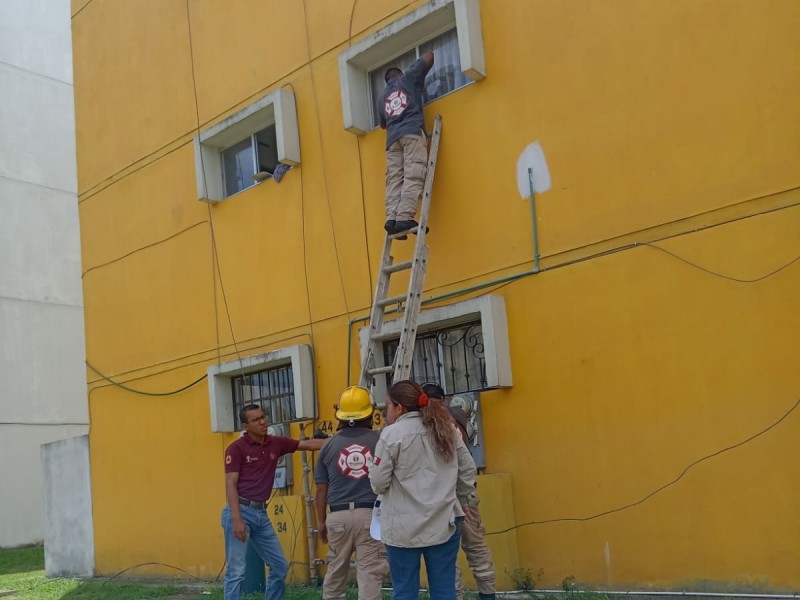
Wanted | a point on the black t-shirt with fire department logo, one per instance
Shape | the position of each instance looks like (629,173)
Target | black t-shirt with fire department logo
(343,464)
(401,107)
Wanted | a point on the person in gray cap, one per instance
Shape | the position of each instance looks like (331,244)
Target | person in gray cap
(473,533)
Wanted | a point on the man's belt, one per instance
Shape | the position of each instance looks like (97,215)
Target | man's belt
(250,503)
(350,506)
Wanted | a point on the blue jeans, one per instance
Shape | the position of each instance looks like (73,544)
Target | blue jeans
(262,535)
(440,562)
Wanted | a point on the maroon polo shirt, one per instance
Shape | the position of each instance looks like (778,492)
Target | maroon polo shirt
(256,464)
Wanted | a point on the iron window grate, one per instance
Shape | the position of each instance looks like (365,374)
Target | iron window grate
(453,357)
(271,389)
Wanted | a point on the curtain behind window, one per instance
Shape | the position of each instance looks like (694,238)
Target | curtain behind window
(446,75)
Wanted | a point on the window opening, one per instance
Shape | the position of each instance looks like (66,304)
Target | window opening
(249,161)
(443,78)
(452,357)
(271,389)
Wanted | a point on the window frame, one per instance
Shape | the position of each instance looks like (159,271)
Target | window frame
(278,108)
(490,310)
(435,18)
(220,386)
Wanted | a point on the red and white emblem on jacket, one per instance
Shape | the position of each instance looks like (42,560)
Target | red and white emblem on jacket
(353,461)
(396,103)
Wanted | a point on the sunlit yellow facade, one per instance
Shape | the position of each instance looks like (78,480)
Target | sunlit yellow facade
(673,123)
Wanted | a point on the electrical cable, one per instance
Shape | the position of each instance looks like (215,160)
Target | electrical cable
(715,273)
(135,167)
(160,564)
(350,28)
(215,263)
(81,9)
(108,181)
(322,158)
(132,252)
(143,393)
(303,229)
(660,489)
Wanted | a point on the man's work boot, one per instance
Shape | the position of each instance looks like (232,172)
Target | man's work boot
(486,596)
(406,225)
(391,228)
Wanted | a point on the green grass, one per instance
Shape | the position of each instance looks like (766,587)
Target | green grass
(22,570)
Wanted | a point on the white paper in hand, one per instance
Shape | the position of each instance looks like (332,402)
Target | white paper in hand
(375,526)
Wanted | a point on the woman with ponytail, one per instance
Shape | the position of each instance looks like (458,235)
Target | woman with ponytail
(424,472)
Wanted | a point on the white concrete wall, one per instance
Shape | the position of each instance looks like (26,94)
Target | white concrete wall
(42,372)
(69,536)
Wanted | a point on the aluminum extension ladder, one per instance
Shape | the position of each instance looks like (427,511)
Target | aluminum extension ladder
(409,302)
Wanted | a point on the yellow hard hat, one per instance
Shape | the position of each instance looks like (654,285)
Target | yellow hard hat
(355,403)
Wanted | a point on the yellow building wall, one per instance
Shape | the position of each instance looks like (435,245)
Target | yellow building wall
(674,121)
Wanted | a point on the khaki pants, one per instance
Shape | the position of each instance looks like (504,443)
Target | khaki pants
(479,557)
(348,532)
(406,165)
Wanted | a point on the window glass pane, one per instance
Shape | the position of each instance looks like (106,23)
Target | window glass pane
(237,167)
(272,389)
(446,75)
(247,390)
(267,149)
(377,84)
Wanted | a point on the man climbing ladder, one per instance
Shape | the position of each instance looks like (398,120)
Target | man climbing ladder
(406,142)
(410,302)
(409,165)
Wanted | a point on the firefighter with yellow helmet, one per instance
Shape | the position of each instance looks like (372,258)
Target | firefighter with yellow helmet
(344,499)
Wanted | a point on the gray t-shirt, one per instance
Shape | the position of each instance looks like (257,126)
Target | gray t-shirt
(401,108)
(343,464)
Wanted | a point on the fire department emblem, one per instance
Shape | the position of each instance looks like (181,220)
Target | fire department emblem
(353,461)
(396,103)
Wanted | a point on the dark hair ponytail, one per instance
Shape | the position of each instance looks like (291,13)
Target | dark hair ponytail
(435,415)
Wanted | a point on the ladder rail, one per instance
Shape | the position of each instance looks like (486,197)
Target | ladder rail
(377,314)
(408,333)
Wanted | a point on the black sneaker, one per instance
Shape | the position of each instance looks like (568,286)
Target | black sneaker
(391,229)
(406,225)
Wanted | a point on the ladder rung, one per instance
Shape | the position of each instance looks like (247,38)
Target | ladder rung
(391,300)
(394,236)
(398,267)
(380,370)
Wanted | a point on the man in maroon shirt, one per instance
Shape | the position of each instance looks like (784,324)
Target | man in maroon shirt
(250,464)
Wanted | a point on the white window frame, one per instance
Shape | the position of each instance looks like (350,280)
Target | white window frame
(277,107)
(432,19)
(490,309)
(220,390)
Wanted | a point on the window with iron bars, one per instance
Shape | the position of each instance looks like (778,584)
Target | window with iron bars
(271,389)
(453,357)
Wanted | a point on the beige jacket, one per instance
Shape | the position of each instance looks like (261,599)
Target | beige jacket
(421,492)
